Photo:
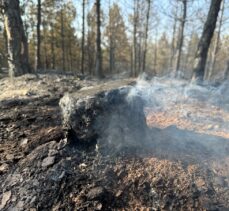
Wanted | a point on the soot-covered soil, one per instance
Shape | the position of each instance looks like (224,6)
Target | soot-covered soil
(181,168)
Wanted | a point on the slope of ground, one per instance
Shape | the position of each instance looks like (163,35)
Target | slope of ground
(183,167)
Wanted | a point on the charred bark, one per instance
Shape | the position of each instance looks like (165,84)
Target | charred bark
(216,44)
(205,40)
(104,114)
(98,70)
(62,41)
(83,39)
(53,47)
(226,73)
(38,53)
(172,53)
(16,39)
(181,37)
(146,35)
(135,23)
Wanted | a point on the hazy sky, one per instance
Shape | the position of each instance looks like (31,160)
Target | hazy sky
(163,8)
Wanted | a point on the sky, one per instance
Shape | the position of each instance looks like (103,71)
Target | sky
(197,10)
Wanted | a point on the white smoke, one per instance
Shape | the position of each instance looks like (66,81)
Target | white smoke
(206,108)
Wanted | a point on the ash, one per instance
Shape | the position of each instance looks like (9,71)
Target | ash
(175,159)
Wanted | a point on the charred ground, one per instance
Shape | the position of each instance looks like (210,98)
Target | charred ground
(176,169)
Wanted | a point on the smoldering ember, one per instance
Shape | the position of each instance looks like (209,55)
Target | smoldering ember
(114,105)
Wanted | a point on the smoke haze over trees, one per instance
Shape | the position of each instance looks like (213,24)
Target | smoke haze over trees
(105,37)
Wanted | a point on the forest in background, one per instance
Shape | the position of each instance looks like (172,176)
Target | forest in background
(63,36)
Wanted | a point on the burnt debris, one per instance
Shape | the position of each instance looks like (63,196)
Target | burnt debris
(104,114)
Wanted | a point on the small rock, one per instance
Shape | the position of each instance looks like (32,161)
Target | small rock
(14,199)
(119,193)
(48,161)
(9,157)
(6,197)
(62,144)
(24,142)
(96,193)
(4,168)
(83,166)
(99,206)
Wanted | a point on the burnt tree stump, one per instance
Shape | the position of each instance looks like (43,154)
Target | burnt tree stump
(106,114)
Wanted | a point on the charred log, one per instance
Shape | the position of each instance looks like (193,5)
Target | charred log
(106,114)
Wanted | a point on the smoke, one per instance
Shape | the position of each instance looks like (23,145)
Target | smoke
(197,117)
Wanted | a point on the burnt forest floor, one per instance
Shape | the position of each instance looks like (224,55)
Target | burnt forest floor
(185,165)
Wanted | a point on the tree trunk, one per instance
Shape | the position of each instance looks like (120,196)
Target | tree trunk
(131,63)
(146,36)
(140,55)
(226,73)
(38,55)
(135,38)
(5,41)
(17,41)
(83,39)
(98,70)
(172,53)
(53,47)
(45,48)
(181,37)
(216,44)
(155,55)
(205,40)
(70,55)
(111,55)
(62,40)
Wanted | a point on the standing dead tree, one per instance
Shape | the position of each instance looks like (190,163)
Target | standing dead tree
(146,35)
(181,37)
(83,38)
(226,72)
(98,70)
(62,40)
(216,44)
(38,53)
(16,38)
(173,45)
(134,50)
(205,40)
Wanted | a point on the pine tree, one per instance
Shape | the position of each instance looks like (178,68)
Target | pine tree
(117,38)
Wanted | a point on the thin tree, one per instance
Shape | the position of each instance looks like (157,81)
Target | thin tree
(83,38)
(226,72)
(135,23)
(146,35)
(98,68)
(62,39)
(16,38)
(216,44)
(205,40)
(181,37)
(38,53)
(172,53)
(111,41)
(53,56)
(155,54)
